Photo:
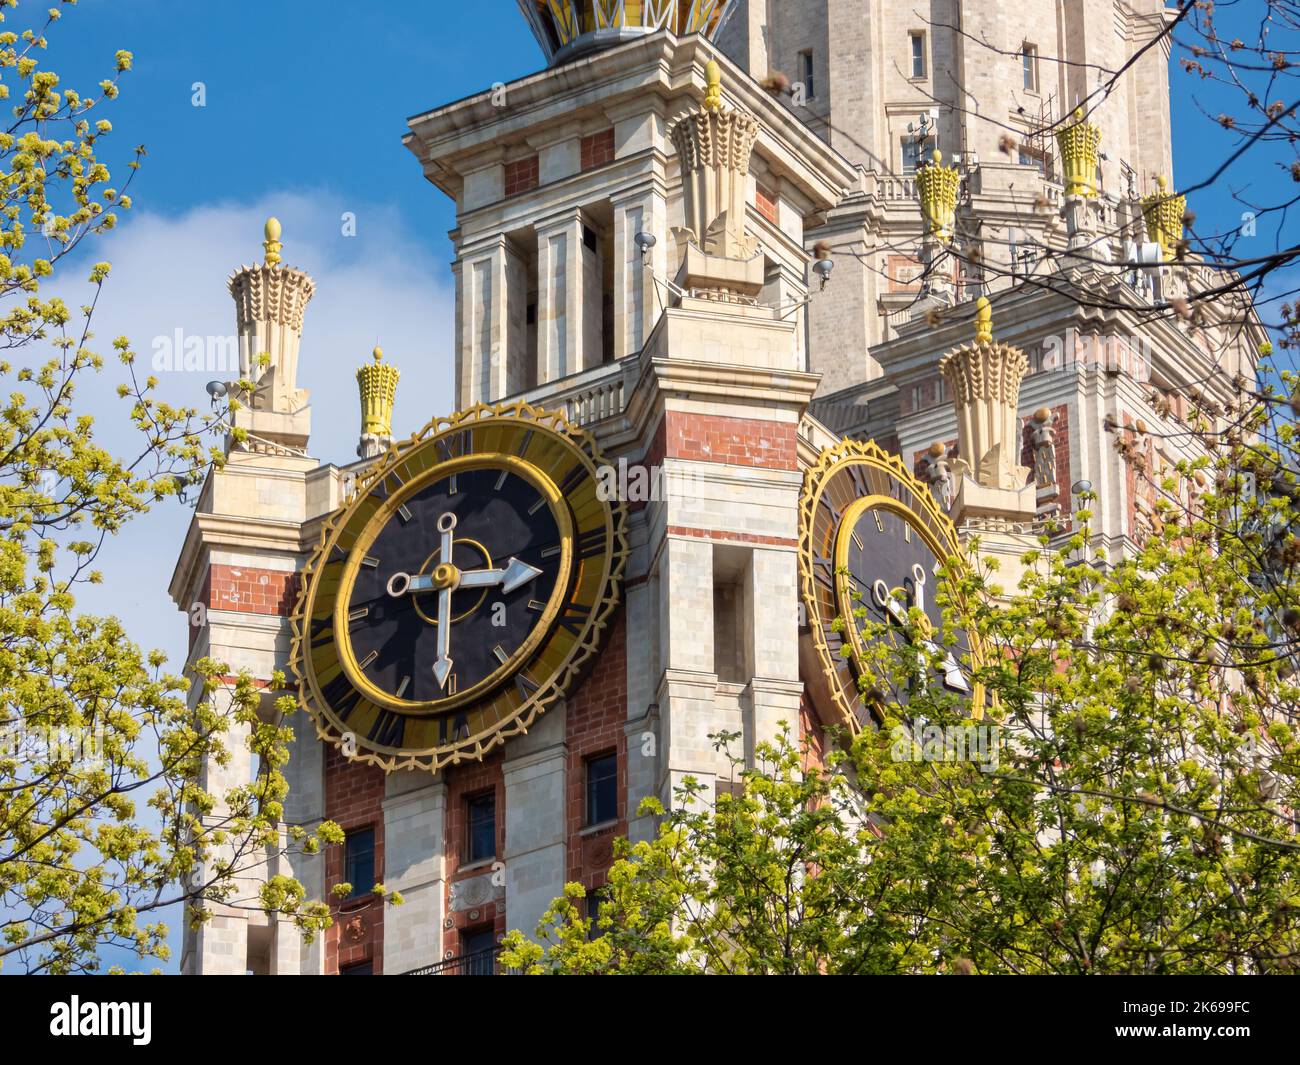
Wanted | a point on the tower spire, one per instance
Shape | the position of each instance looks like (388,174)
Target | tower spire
(270,301)
(377,385)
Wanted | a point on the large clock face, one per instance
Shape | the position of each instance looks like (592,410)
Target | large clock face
(459,593)
(873,540)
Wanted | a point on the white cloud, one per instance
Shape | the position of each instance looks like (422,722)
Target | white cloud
(170,274)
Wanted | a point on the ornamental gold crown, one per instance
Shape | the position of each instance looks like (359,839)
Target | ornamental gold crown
(569,28)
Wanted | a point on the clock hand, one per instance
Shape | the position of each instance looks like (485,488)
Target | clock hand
(442,667)
(515,574)
(401,583)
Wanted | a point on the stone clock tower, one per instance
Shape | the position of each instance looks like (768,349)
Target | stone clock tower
(510,623)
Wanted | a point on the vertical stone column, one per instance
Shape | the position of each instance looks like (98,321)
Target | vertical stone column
(688,687)
(220,945)
(560,326)
(483,326)
(645,750)
(536,820)
(304,806)
(772,645)
(415,819)
(636,305)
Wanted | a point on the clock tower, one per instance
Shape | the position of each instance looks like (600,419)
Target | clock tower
(687,433)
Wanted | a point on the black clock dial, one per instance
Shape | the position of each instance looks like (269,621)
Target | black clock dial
(503,525)
(893,568)
(867,527)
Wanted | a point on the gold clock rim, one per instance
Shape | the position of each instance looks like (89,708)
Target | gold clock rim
(552,690)
(440,471)
(833,460)
(843,594)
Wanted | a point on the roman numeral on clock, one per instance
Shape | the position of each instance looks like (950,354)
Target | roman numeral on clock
(572,480)
(340,696)
(592,542)
(525,685)
(388,729)
(575,618)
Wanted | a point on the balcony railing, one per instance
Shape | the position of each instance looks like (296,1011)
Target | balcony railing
(485,962)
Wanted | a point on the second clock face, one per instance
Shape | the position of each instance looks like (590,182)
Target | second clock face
(888,563)
(872,539)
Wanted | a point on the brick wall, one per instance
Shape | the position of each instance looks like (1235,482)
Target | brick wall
(354,795)
(464,782)
(739,441)
(521,175)
(812,736)
(597,149)
(248,590)
(594,725)
(765,201)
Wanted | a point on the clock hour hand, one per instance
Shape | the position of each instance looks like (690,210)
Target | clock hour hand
(442,667)
(515,574)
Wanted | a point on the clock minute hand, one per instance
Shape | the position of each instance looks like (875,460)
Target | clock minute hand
(515,574)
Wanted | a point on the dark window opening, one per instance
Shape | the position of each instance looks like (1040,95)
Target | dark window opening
(602,789)
(359,860)
(478,950)
(481,827)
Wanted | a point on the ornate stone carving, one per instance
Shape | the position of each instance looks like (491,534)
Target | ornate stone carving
(713,146)
(984,381)
(377,384)
(938,474)
(1079,143)
(270,300)
(937,185)
(1164,213)
(474,892)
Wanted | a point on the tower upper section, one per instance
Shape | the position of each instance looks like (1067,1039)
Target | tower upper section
(569,28)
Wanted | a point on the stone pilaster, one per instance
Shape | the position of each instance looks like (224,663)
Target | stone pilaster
(536,821)
(415,816)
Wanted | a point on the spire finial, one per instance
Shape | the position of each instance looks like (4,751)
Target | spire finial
(271,245)
(712,86)
(983,321)
(377,383)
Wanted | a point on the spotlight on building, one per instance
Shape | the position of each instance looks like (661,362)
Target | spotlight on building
(1079,487)
(645,242)
(216,391)
(822,268)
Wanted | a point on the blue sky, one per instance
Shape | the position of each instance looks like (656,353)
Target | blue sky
(305,107)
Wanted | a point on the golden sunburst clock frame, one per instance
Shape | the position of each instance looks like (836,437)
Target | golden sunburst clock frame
(537,444)
(848,479)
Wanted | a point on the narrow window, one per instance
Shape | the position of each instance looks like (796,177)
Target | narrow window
(914,150)
(806,74)
(1029,59)
(477,951)
(359,860)
(481,827)
(602,789)
(918,54)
